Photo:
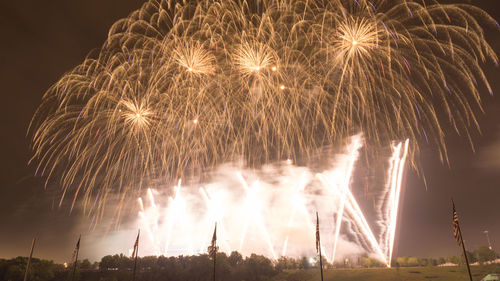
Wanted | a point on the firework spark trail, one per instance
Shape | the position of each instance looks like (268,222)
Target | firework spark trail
(244,232)
(253,210)
(179,88)
(354,210)
(215,214)
(264,215)
(388,205)
(395,194)
(151,217)
(178,213)
(355,146)
(298,203)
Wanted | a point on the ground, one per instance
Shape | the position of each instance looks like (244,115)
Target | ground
(392,274)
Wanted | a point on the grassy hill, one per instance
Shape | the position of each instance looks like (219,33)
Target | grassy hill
(391,274)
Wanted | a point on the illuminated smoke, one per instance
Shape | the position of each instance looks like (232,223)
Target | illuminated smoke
(270,211)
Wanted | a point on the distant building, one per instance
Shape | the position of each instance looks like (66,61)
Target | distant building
(447,264)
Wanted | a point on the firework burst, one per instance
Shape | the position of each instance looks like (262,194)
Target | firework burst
(179,88)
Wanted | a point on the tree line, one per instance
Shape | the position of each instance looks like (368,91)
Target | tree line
(481,255)
(149,268)
(199,267)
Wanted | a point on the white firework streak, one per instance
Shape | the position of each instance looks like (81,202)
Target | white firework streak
(215,214)
(353,155)
(299,203)
(177,212)
(254,217)
(252,204)
(151,218)
(355,211)
(390,206)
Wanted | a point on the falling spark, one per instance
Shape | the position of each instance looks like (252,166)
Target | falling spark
(268,84)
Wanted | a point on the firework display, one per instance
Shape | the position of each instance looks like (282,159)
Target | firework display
(178,88)
(271,211)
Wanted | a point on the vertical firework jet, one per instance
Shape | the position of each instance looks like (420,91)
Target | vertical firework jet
(356,144)
(272,211)
(397,170)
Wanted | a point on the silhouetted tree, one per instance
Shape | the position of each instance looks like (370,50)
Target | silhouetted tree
(257,267)
(235,259)
(304,263)
(484,254)
(453,259)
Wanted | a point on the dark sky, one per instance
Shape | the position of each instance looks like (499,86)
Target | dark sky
(41,40)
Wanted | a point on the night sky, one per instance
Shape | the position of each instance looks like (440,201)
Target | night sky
(41,40)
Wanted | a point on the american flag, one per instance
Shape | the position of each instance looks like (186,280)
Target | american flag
(456,231)
(77,248)
(136,246)
(318,244)
(213,246)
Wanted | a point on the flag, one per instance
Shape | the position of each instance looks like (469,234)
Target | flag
(213,245)
(456,231)
(77,248)
(136,246)
(458,236)
(75,258)
(317,234)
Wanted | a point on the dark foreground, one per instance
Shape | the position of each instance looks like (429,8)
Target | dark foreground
(229,268)
(454,273)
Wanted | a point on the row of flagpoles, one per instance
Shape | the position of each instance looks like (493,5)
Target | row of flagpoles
(212,251)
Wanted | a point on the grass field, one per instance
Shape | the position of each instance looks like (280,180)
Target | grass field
(392,274)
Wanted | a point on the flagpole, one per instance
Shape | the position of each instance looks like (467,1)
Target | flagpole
(215,258)
(319,246)
(321,263)
(29,260)
(214,242)
(76,258)
(462,242)
(136,250)
(465,253)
